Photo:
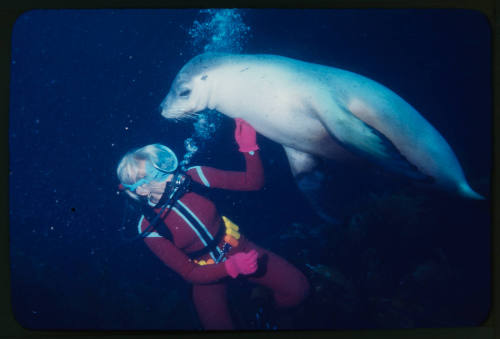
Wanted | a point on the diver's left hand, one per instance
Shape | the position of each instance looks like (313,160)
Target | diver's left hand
(245,136)
(241,263)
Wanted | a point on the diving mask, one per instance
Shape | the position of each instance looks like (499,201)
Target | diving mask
(159,170)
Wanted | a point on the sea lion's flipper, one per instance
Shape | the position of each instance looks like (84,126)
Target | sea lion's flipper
(310,182)
(362,139)
(300,162)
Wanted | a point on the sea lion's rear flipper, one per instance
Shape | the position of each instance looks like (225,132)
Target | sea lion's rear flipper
(360,138)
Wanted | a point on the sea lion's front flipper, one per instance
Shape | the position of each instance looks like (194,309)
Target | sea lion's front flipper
(310,180)
(300,162)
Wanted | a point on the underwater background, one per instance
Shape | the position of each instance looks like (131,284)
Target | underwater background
(85,88)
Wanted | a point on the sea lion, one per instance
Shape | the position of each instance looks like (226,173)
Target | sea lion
(317,111)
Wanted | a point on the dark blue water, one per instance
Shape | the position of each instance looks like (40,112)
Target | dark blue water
(85,89)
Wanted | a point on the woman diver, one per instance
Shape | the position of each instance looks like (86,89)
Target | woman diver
(184,229)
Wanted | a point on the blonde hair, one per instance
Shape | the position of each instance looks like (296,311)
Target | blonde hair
(128,170)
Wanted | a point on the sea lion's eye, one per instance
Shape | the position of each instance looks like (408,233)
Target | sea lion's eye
(185,92)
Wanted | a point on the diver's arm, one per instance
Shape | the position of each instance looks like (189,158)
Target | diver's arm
(251,179)
(179,262)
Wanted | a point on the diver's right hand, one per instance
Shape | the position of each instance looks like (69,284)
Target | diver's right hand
(241,263)
(245,136)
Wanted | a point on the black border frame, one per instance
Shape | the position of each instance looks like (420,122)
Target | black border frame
(9,13)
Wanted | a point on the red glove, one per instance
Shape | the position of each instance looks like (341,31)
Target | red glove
(245,136)
(241,263)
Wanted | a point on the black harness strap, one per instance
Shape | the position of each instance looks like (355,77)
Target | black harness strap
(168,204)
(154,220)
(200,229)
(211,246)
(173,192)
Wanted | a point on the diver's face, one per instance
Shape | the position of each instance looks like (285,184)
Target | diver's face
(153,190)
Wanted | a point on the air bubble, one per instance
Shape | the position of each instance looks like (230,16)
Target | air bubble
(222,31)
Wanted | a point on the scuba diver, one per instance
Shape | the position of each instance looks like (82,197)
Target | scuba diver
(185,231)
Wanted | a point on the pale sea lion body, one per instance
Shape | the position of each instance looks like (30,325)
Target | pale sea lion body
(317,111)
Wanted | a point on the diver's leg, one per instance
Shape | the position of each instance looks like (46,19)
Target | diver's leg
(212,307)
(289,286)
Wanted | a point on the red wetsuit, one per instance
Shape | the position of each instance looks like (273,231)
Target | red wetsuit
(288,284)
